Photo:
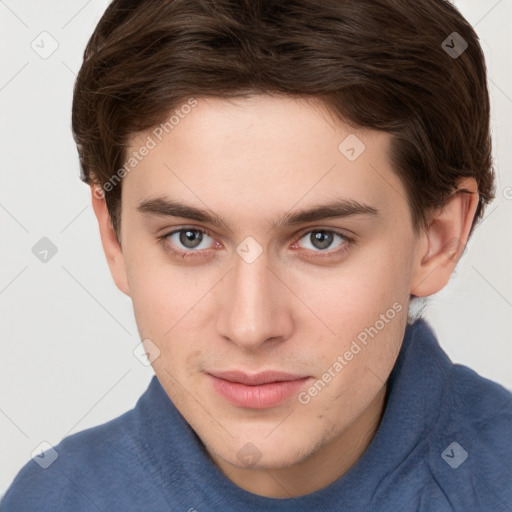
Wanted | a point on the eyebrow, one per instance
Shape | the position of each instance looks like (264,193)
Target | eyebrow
(340,208)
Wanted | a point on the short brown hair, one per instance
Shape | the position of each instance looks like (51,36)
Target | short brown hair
(378,64)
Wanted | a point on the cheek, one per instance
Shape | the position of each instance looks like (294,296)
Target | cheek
(162,295)
(173,308)
(354,295)
(365,306)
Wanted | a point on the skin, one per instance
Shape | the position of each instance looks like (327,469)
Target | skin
(251,161)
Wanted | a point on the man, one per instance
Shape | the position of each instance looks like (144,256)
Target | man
(275,184)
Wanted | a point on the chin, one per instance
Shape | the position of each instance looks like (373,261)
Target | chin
(264,454)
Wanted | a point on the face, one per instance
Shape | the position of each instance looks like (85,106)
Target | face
(321,298)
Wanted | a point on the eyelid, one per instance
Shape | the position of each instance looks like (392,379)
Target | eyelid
(182,252)
(327,229)
(347,242)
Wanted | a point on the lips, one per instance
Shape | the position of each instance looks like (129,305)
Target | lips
(256,391)
(256,379)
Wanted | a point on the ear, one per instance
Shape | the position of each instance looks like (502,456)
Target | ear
(444,240)
(111,246)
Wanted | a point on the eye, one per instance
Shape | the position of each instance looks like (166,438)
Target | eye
(186,241)
(322,239)
(193,242)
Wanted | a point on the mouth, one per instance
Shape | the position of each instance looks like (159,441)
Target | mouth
(256,391)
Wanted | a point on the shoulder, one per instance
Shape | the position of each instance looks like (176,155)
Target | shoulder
(83,469)
(477,406)
(471,448)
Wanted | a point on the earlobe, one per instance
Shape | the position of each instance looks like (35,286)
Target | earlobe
(444,241)
(111,246)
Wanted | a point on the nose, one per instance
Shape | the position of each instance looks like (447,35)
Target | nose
(254,306)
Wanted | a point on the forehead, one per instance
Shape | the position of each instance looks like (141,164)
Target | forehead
(261,151)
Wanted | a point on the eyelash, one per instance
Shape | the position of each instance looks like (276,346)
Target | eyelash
(348,242)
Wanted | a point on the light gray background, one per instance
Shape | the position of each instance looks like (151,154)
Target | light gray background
(68,334)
